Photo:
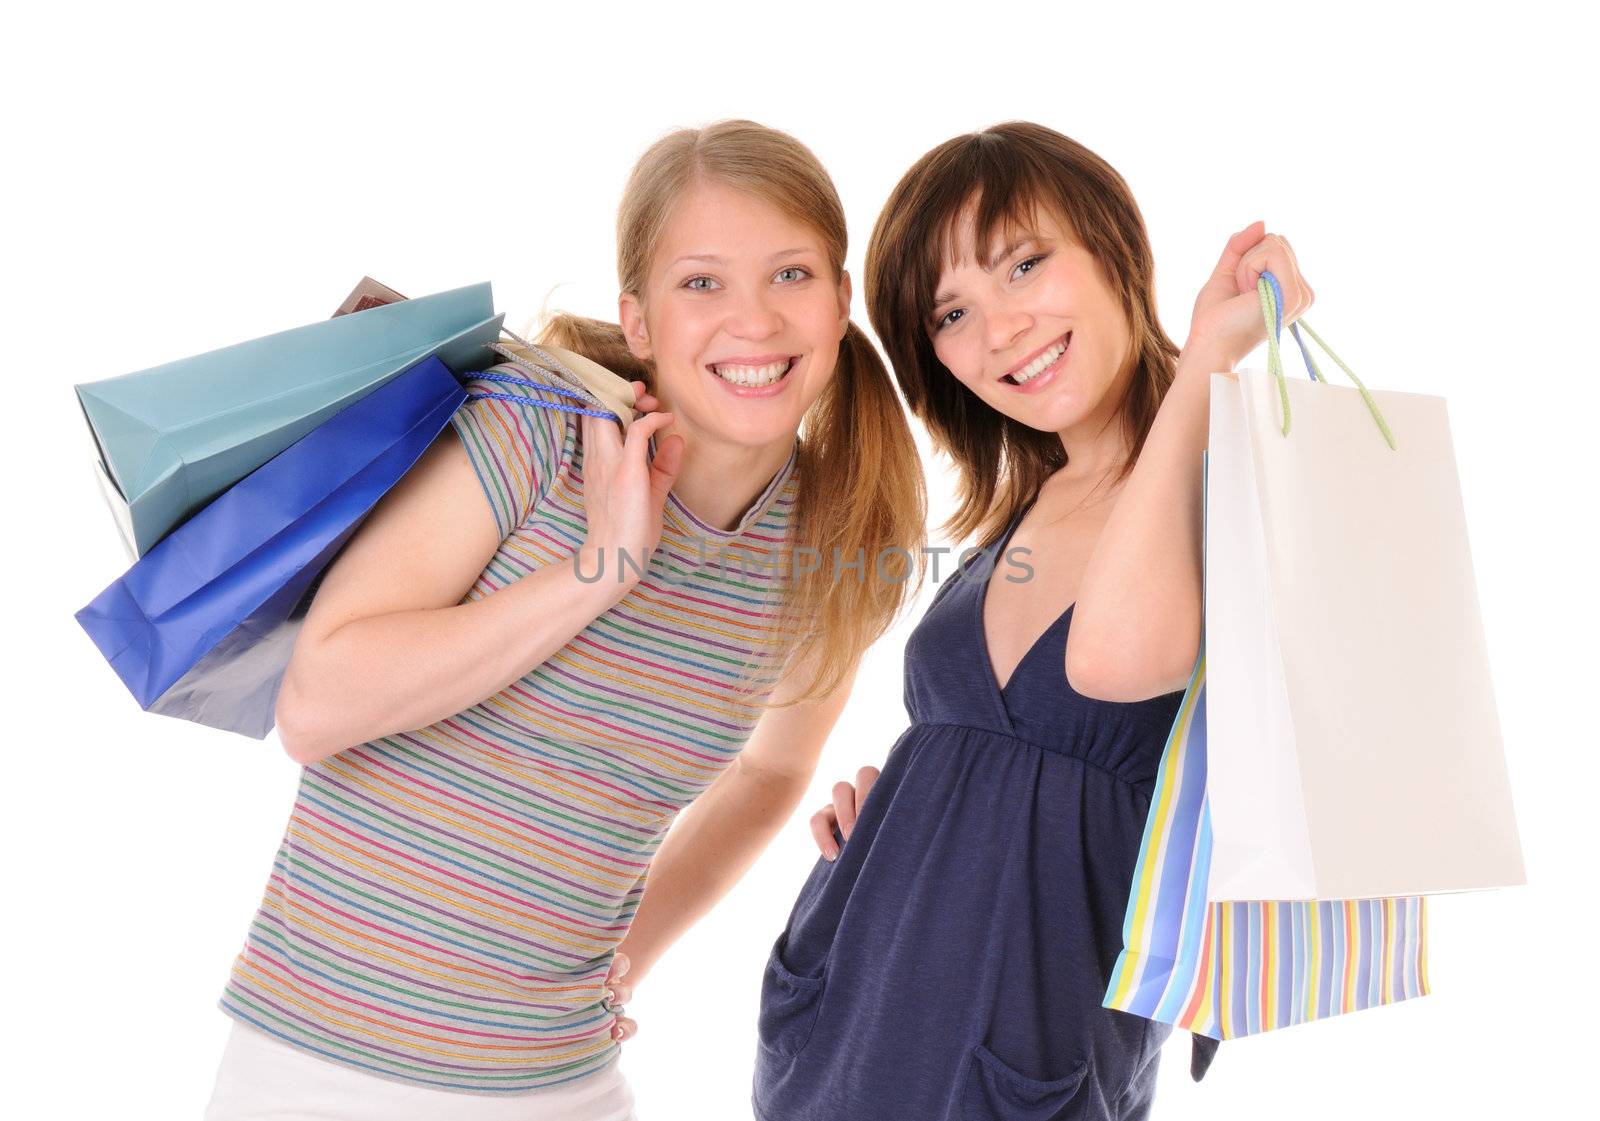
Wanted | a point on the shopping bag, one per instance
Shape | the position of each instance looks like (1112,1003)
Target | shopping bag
(201,627)
(171,438)
(1228,969)
(1354,747)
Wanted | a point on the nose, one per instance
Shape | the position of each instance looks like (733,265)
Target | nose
(754,317)
(1003,326)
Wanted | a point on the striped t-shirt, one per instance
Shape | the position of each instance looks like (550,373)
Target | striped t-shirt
(444,904)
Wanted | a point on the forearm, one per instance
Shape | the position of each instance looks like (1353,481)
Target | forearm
(1136,627)
(391,673)
(709,847)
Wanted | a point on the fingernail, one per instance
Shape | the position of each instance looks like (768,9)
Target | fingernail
(611,996)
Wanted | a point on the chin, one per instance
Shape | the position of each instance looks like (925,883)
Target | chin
(1042,416)
(750,431)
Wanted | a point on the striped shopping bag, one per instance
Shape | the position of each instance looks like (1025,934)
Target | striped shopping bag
(1226,970)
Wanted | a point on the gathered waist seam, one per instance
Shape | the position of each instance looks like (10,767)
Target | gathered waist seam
(1090,764)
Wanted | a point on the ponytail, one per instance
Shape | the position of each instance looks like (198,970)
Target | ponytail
(597,341)
(862,495)
(860,489)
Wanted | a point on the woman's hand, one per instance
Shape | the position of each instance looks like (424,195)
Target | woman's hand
(617,993)
(1227,322)
(841,812)
(624,490)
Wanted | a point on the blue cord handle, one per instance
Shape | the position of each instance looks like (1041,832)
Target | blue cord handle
(509,380)
(1294,328)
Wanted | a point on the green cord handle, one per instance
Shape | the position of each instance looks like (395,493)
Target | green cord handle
(1267,290)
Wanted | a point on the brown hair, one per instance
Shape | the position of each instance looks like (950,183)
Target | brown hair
(1009,172)
(861,490)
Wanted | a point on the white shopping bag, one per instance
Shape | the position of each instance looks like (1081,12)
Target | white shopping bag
(1354,745)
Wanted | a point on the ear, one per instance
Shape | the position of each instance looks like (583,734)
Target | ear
(630,314)
(844,302)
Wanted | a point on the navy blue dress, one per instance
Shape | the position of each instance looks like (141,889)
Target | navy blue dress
(951,963)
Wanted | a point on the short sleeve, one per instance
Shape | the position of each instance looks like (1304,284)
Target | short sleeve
(517,449)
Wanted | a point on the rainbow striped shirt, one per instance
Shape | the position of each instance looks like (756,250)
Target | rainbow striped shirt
(444,904)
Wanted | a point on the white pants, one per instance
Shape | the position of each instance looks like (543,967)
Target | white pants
(262,1077)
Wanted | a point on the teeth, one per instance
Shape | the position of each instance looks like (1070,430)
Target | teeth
(1037,366)
(752,375)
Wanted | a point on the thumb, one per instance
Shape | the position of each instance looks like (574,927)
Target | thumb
(665,466)
(1238,245)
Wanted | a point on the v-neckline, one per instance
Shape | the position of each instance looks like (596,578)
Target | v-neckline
(983,630)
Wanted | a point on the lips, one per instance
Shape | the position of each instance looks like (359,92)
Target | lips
(1038,362)
(753,372)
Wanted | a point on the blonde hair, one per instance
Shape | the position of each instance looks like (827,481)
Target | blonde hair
(861,490)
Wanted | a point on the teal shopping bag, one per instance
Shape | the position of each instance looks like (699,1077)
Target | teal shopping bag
(172,438)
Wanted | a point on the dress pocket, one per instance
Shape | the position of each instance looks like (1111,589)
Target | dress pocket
(993,1091)
(789,1004)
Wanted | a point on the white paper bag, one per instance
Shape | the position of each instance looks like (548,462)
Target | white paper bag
(1354,744)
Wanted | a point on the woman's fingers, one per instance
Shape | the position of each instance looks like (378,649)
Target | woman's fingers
(665,466)
(663,469)
(1238,245)
(822,824)
(618,993)
(865,777)
(618,970)
(643,400)
(841,812)
(1274,255)
(844,807)
(640,431)
(602,441)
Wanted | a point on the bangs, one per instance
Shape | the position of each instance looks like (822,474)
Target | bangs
(964,200)
(998,194)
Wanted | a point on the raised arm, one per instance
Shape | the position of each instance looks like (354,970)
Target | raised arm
(388,646)
(1136,627)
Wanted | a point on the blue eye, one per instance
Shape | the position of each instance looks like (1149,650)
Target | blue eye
(796,269)
(1028,263)
(694,283)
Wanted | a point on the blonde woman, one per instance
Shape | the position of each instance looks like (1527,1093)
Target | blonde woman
(548,641)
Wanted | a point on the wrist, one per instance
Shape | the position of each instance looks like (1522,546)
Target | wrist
(1203,356)
(603,572)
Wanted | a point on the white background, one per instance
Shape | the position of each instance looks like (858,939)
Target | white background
(184,179)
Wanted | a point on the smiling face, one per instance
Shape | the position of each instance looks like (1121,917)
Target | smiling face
(741,314)
(1035,331)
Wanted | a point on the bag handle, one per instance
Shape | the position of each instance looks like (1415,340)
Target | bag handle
(507,379)
(1271,295)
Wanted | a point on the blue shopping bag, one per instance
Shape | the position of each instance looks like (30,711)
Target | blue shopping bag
(201,627)
(171,438)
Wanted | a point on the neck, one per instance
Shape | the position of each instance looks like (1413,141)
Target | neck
(1095,446)
(718,481)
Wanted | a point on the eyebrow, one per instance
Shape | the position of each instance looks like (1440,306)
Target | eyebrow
(1009,249)
(946,296)
(715,260)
